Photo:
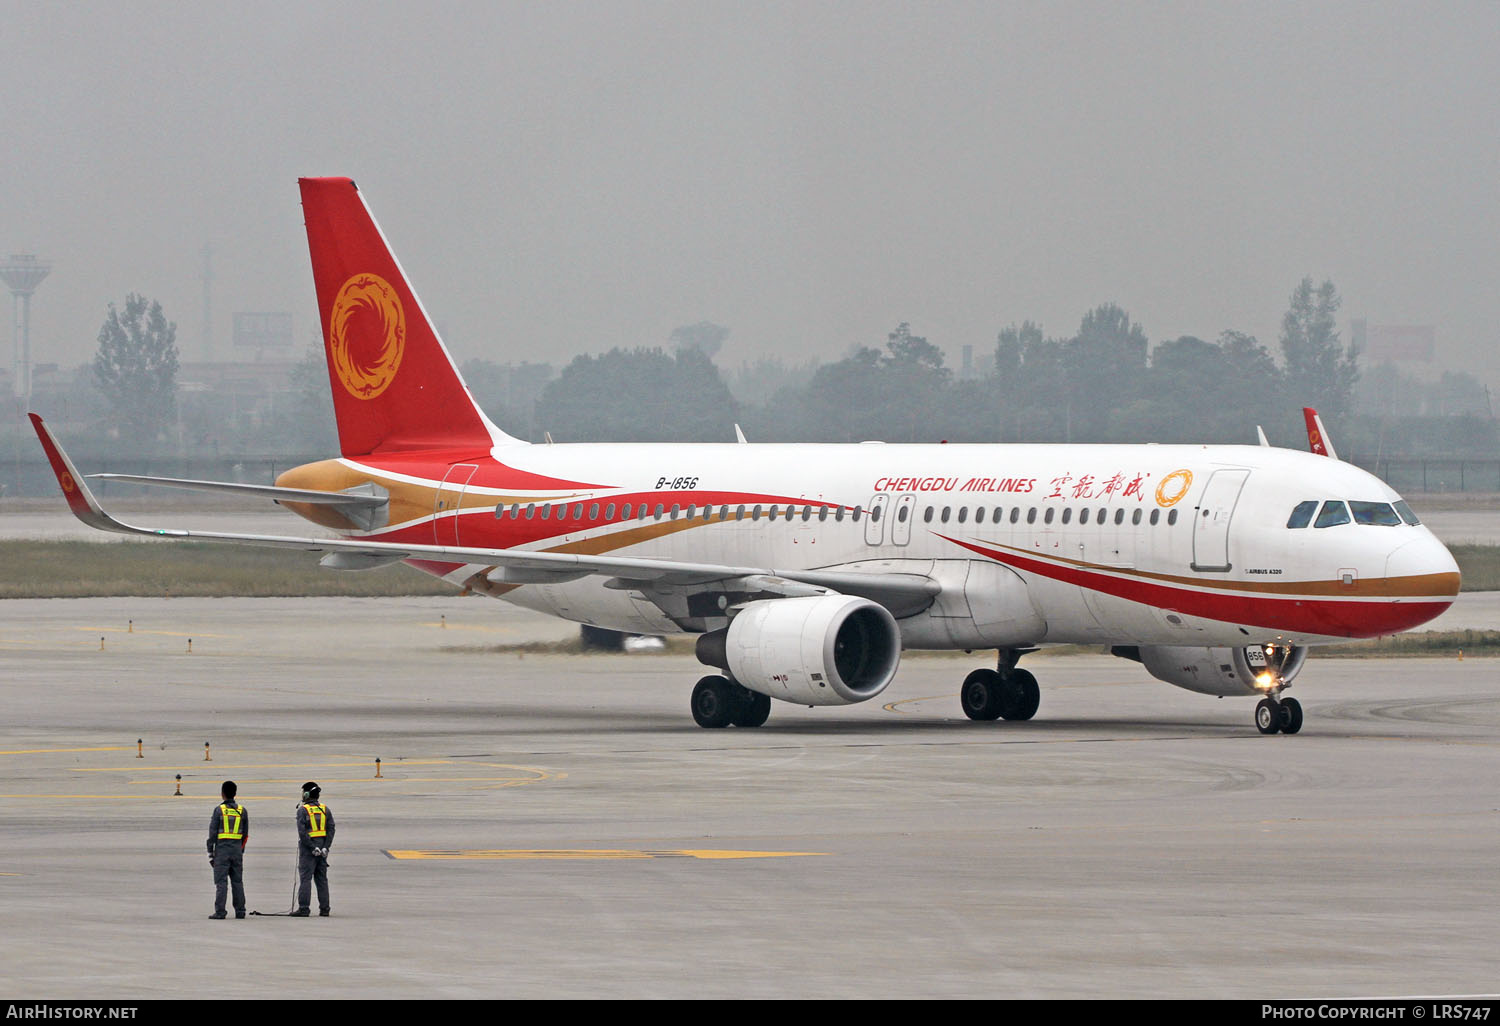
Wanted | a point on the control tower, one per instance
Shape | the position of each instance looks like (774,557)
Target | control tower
(23,272)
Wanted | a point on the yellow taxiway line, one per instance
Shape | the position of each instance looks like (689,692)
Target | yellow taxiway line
(492,854)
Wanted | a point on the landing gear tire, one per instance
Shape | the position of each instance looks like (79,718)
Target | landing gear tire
(1290,719)
(980,695)
(713,702)
(751,709)
(1019,695)
(1268,716)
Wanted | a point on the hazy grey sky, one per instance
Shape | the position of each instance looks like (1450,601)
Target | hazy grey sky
(559,178)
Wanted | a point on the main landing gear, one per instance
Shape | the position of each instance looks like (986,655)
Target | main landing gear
(1273,715)
(1004,693)
(719,702)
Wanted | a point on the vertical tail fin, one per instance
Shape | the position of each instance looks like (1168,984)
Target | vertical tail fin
(1317,435)
(394,385)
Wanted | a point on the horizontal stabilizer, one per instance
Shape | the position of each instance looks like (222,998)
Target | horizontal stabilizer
(253,490)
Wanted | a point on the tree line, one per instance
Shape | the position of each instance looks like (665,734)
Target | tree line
(1103,382)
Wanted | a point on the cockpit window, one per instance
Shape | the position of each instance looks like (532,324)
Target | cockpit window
(1302,515)
(1333,513)
(1378,514)
(1406,513)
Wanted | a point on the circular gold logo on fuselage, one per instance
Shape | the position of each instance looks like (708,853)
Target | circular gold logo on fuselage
(1173,487)
(366,335)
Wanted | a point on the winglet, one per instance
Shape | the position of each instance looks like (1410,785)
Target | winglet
(739,436)
(1261,435)
(1317,436)
(80,500)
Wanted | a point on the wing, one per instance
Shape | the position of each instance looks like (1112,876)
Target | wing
(903,594)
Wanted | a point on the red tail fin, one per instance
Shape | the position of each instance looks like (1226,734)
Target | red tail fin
(1317,437)
(394,384)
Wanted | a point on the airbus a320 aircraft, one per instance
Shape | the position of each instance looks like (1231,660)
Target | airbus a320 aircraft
(805,570)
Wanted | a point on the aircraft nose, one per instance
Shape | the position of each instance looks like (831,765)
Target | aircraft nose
(1428,559)
(1424,580)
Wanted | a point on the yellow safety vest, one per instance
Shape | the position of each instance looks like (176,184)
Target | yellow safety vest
(317,820)
(230,818)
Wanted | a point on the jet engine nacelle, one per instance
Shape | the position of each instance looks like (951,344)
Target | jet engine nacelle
(819,650)
(1221,671)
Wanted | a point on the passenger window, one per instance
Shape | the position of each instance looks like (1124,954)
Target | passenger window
(838,514)
(1083,515)
(773,512)
(530,510)
(609,511)
(1172,518)
(927,515)
(902,512)
(1376,514)
(578,511)
(594,511)
(1119,517)
(1406,513)
(739,514)
(947,511)
(791,511)
(1031,515)
(978,515)
(998,513)
(807,513)
(1047,516)
(1333,513)
(823,513)
(1015,515)
(856,514)
(1135,517)
(1067,514)
(1302,515)
(1155,517)
(660,509)
(755,512)
(626,511)
(674,510)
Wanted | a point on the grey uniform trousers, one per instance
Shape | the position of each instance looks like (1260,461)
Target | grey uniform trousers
(312,868)
(229,871)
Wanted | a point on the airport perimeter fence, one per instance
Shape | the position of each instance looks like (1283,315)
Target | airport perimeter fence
(1411,476)
(32,477)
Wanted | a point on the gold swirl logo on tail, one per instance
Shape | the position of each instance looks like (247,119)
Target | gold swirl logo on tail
(366,335)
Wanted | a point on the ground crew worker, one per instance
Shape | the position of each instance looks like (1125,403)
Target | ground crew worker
(228,833)
(314,838)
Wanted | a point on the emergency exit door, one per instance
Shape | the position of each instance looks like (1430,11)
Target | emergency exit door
(1211,520)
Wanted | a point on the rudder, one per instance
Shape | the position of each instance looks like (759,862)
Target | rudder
(395,387)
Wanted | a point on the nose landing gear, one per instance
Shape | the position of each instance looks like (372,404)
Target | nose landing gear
(1273,715)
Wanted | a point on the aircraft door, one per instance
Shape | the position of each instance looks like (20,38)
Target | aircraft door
(875,520)
(1211,520)
(901,518)
(448,503)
